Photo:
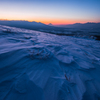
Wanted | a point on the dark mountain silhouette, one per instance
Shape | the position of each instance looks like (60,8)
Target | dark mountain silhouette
(50,24)
(73,30)
(83,26)
(28,25)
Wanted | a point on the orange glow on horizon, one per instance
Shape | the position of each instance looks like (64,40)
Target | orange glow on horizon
(62,21)
(53,21)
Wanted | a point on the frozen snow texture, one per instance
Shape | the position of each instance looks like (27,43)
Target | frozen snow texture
(42,66)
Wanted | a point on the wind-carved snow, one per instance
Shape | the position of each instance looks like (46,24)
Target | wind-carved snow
(41,66)
(40,52)
(64,56)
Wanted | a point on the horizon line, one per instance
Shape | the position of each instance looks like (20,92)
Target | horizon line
(50,22)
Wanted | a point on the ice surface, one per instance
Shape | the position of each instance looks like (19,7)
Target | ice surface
(41,66)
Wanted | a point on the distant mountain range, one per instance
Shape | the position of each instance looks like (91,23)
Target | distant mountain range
(28,25)
(40,26)
(88,25)
(67,30)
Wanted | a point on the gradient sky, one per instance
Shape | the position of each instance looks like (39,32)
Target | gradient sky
(51,11)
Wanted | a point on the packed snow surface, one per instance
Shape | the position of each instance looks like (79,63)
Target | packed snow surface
(41,66)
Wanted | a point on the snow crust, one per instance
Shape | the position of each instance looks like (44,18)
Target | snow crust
(41,66)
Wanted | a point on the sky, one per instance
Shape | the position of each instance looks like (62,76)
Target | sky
(51,11)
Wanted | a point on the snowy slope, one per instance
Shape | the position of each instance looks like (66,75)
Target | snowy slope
(41,66)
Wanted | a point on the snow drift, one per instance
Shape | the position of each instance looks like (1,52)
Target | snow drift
(41,66)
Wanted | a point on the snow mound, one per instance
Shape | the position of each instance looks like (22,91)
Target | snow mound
(64,56)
